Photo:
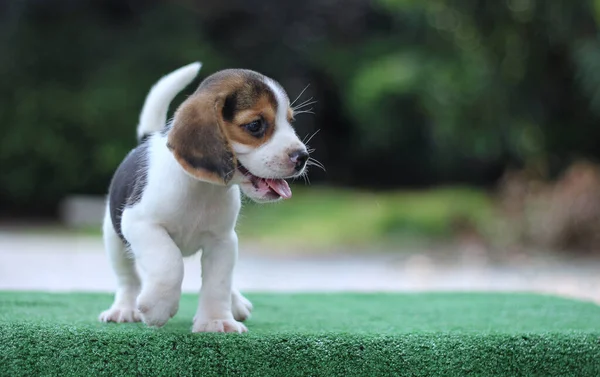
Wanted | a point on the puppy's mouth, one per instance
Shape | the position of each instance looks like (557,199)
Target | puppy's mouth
(272,188)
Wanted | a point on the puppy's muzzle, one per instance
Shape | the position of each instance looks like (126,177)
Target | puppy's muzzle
(299,158)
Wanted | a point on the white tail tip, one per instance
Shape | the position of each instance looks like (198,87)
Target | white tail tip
(154,112)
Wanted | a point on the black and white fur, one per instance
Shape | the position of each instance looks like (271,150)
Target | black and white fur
(157,214)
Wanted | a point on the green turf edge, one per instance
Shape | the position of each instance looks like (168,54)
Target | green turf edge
(28,349)
(445,334)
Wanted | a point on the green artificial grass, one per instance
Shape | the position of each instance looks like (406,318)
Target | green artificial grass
(432,334)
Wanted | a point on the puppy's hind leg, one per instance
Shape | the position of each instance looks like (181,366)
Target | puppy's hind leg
(123,308)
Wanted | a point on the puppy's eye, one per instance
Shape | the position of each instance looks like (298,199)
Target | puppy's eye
(256,128)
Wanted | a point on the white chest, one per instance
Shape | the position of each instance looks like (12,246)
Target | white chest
(202,216)
(191,211)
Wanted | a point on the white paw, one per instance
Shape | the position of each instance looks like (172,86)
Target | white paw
(241,307)
(120,314)
(219,325)
(157,310)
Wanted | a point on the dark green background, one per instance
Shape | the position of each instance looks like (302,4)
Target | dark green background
(410,92)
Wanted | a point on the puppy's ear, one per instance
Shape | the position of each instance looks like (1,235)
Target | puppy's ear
(199,143)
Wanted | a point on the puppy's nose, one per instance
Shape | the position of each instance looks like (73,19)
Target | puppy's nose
(299,158)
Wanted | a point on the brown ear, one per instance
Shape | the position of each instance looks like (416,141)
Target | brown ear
(198,142)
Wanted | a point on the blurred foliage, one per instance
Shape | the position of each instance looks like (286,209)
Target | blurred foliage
(410,92)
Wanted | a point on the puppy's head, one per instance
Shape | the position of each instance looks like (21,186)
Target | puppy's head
(235,129)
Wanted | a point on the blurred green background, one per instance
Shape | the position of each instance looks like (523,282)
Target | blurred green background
(423,107)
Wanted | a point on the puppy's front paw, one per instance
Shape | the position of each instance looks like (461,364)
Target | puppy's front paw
(157,310)
(219,325)
(241,307)
(120,314)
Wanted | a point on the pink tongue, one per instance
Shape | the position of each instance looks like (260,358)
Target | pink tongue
(281,187)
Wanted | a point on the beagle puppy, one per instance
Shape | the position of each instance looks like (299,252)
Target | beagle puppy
(178,193)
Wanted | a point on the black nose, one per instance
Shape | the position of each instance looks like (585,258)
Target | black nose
(299,158)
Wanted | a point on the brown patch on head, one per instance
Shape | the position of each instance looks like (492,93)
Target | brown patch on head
(290,115)
(252,101)
(230,105)
(262,112)
(198,142)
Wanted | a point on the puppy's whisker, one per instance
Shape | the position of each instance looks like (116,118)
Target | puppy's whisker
(310,138)
(313,162)
(303,105)
(299,95)
(304,139)
(319,166)
(305,177)
(309,111)
(298,108)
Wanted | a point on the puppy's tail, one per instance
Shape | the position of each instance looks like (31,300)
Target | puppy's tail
(154,113)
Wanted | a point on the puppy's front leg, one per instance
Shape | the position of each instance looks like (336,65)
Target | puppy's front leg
(214,308)
(161,265)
